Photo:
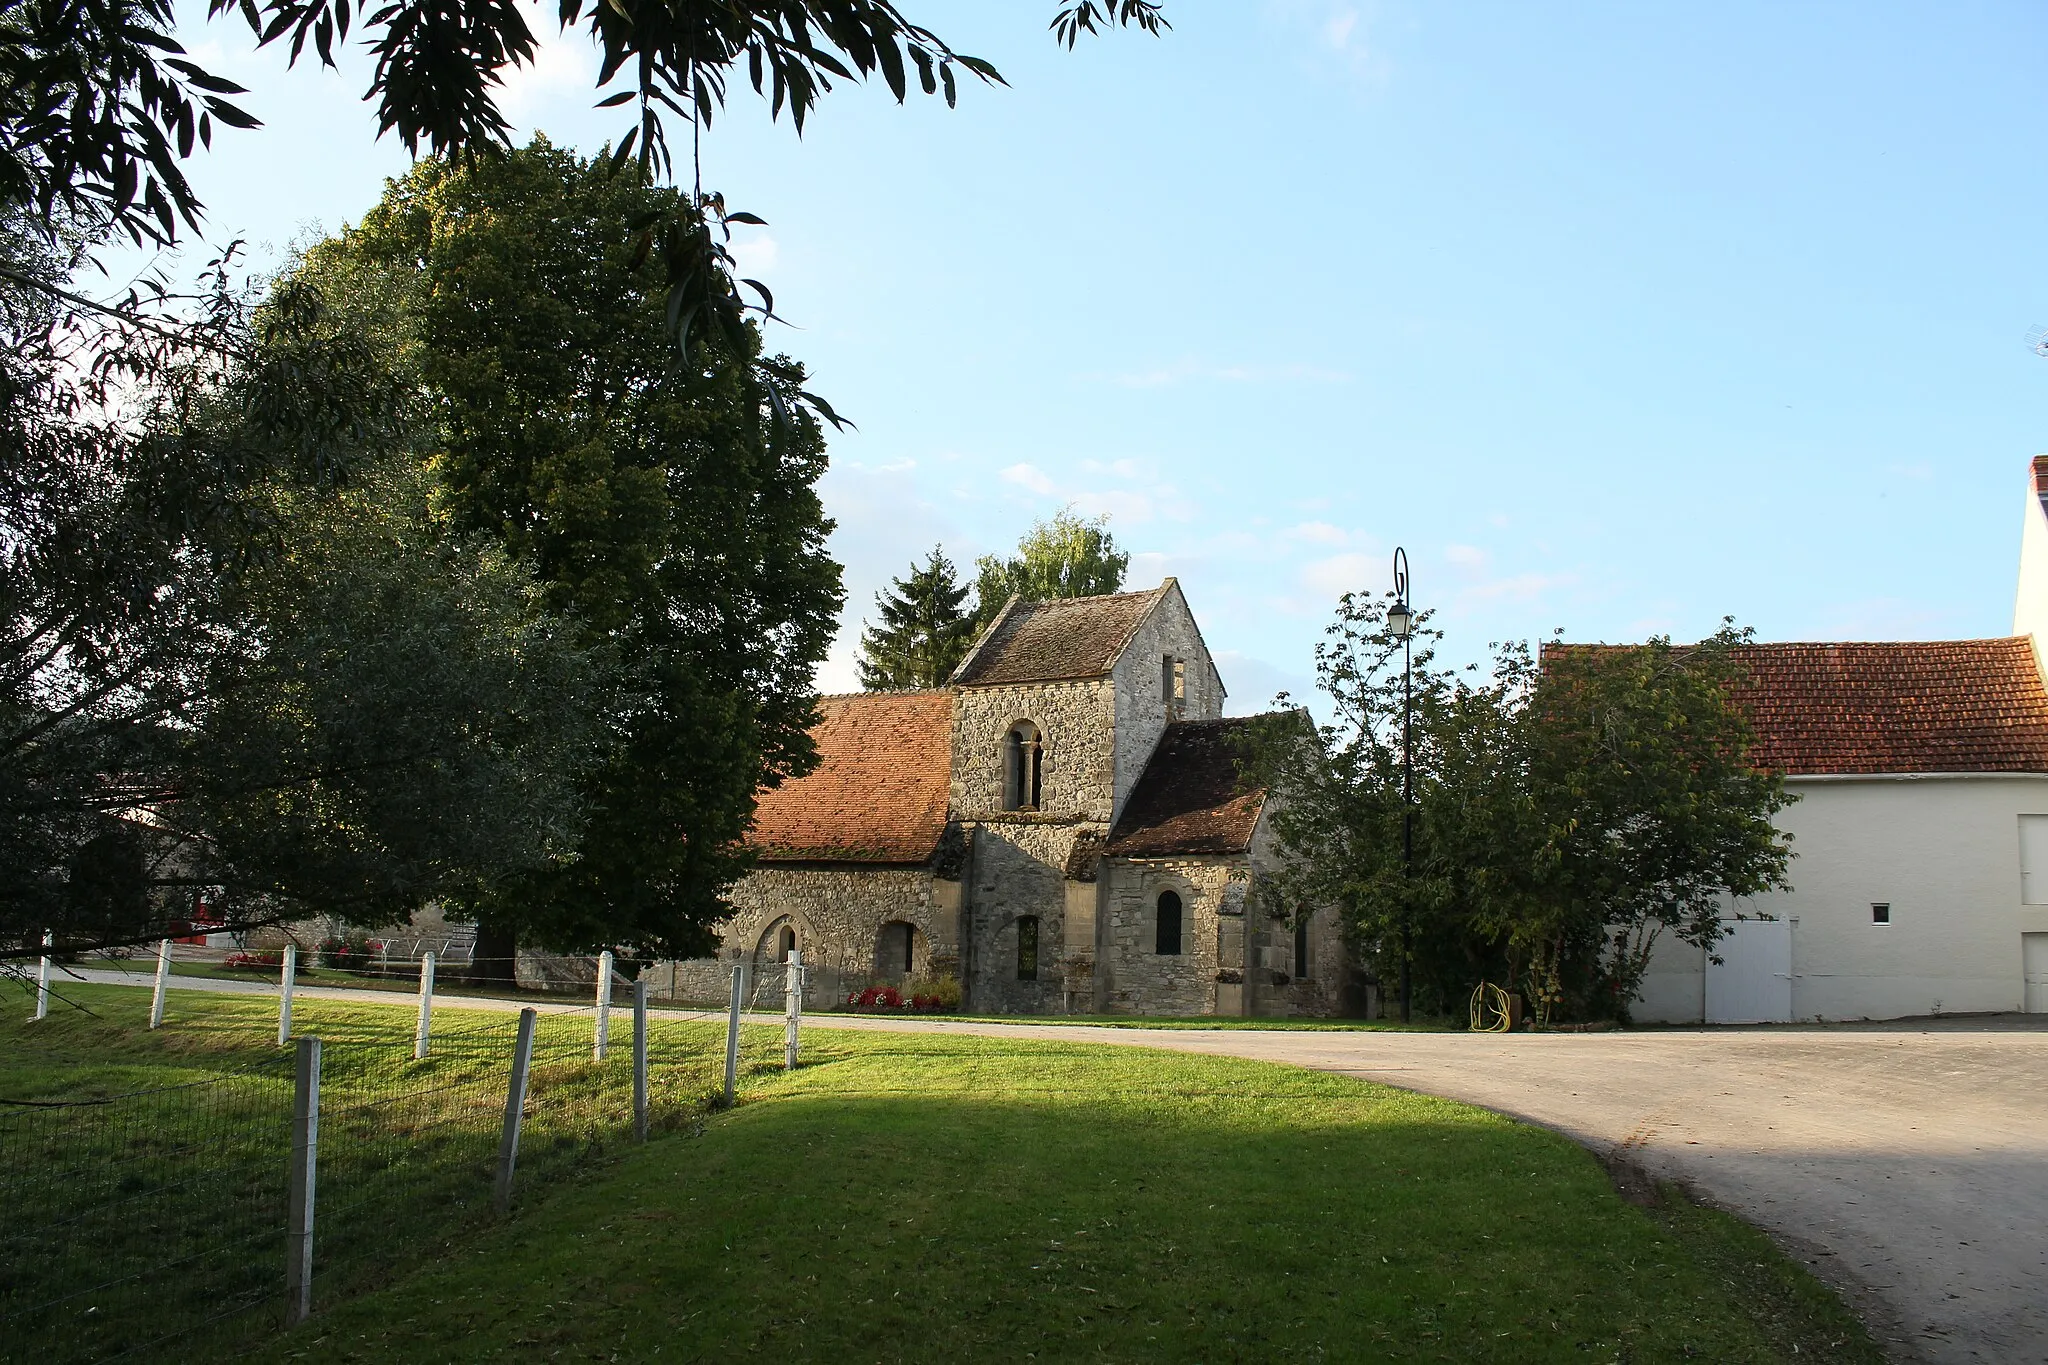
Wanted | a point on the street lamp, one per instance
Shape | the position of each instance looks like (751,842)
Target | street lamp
(1401,625)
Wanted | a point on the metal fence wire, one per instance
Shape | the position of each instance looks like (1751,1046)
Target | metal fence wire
(129,1220)
(133,1219)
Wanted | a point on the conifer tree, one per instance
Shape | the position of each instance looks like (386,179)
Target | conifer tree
(923,633)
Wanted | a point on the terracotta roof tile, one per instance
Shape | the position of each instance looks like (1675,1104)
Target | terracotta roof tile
(1189,798)
(1068,637)
(1952,706)
(1944,706)
(878,794)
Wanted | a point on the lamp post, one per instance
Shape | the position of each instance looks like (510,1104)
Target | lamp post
(1401,625)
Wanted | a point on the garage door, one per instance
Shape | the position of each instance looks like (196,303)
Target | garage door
(2034,961)
(1752,983)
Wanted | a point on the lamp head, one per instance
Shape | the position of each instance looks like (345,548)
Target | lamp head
(1400,620)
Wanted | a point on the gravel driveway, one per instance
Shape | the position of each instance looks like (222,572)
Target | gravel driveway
(1908,1163)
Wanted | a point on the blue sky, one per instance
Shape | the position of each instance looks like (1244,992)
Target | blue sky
(1620,318)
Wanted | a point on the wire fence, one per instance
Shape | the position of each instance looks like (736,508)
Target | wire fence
(135,1217)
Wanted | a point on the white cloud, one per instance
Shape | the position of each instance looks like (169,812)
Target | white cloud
(1338,30)
(1030,477)
(1318,533)
(563,69)
(1466,558)
(1520,589)
(1339,574)
(754,251)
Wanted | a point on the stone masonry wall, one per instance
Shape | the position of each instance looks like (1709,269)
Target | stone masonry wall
(838,912)
(1075,721)
(1168,630)
(1136,979)
(1018,868)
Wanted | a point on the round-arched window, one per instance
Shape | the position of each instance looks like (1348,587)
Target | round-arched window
(1023,767)
(1167,939)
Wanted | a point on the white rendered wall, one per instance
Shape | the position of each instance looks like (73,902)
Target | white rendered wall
(2030,606)
(1942,851)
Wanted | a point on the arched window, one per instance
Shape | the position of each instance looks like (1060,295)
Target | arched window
(1301,946)
(1023,767)
(1167,942)
(1027,948)
(788,944)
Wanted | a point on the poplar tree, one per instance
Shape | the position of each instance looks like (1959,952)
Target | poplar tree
(923,633)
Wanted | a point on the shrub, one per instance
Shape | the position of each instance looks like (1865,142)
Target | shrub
(356,954)
(935,993)
(267,960)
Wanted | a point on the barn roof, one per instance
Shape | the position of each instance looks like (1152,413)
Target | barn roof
(1068,637)
(1190,798)
(1943,706)
(878,794)
(1948,706)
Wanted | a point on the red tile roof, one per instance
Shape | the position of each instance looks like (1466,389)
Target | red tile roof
(1068,637)
(878,794)
(1949,706)
(1189,798)
(1942,706)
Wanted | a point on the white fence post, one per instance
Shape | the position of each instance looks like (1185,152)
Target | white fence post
(423,1035)
(515,1110)
(284,998)
(793,1007)
(163,981)
(298,1266)
(43,980)
(732,1031)
(640,1058)
(601,1043)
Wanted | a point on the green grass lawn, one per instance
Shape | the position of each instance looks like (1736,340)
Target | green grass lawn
(143,1173)
(905,1197)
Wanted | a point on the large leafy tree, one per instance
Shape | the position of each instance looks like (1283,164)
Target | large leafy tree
(670,511)
(237,650)
(1569,809)
(923,632)
(1066,555)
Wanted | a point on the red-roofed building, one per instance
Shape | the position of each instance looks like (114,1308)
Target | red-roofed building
(1062,829)
(1920,836)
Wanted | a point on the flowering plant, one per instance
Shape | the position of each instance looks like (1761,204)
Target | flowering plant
(254,962)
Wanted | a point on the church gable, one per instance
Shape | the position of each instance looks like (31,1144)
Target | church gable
(878,794)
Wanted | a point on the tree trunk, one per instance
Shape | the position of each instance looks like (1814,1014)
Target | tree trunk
(495,950)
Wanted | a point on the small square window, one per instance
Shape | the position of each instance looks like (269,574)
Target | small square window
(1880,914)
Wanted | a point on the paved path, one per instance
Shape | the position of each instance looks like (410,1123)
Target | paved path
(1909,1163)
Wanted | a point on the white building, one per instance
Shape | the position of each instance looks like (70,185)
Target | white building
(1920,837)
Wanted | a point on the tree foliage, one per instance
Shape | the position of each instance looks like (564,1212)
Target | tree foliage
(1067,555)
(670,515)
(1569,809)
(923,633)
(236,651)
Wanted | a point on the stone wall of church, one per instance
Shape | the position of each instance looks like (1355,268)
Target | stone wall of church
(840,914)
(1134,978)
(1139,683)
(1017,870)
(1076,722)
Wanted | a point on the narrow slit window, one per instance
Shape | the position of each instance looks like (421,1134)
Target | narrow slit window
(1301,948)
(1880,913)
(1027,948)
(909,948)
(1173,685)
(1166,941)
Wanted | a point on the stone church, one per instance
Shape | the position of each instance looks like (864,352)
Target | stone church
(1062,828)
